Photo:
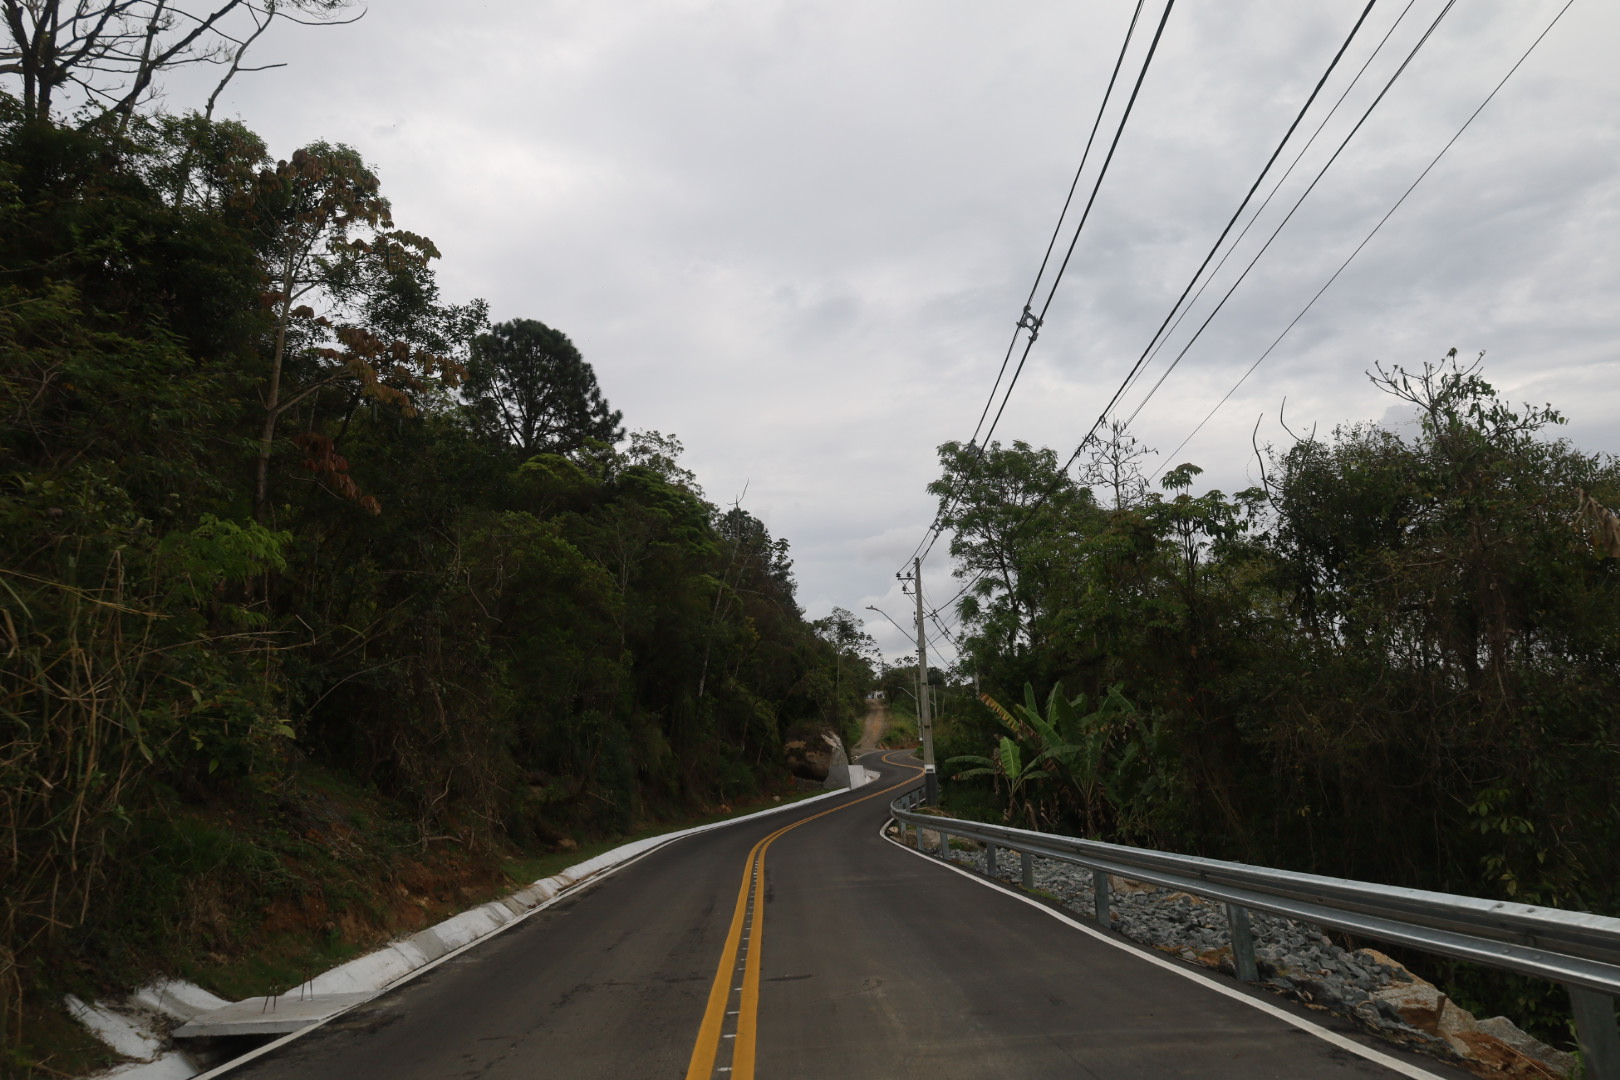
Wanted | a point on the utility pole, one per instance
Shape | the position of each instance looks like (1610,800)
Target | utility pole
(925,723)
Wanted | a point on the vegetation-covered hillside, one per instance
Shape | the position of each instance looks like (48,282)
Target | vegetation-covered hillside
(277,519)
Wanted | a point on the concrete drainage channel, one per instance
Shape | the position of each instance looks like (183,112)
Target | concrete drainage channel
(179,1031)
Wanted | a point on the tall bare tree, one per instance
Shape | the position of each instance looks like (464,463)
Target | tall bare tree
(1113,464)
(112,51)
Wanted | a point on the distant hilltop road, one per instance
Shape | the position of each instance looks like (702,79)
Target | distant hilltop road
(873,726)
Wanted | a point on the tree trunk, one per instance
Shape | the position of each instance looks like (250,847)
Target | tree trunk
(272,401)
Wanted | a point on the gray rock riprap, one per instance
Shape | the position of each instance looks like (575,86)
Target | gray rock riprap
(1298,960)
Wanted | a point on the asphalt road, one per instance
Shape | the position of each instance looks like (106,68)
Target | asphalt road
(841,957)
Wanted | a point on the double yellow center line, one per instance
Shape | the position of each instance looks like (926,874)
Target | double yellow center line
(734,994)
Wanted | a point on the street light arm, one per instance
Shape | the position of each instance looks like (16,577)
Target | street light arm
(885,614)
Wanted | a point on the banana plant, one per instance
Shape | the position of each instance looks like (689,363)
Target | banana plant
(1088,753)
(1006,766)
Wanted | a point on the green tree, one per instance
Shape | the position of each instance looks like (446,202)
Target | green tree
(520,651)
(1112,464)
(344,286)
(1013,515)
(854,651)
(1454,652)
(1102,761)
(529,383)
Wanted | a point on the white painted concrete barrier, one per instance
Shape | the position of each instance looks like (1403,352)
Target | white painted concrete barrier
(848,777)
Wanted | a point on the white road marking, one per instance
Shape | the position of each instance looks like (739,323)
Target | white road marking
(1394,1064)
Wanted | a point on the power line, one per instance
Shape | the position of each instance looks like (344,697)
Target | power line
(1281,180)
(1286,218)
(1074,240)
(1032,322)
(1114,399)
(1057,230)
(886,615)
(1370,235)
(910,634)
(1129,378)
(933,615)
(1236,214)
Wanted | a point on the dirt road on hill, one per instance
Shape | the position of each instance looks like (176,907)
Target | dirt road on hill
(872,728)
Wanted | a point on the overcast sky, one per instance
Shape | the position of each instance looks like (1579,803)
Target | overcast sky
(798,235)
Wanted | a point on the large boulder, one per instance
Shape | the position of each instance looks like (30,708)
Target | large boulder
(812,752)
(1495,1047)
(1418,1003)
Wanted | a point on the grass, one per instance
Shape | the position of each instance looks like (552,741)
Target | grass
(525,869)
(259,904)
(900,731)
(56,1045)
(276,965)
(362,907)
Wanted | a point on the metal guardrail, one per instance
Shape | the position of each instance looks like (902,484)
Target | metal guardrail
(1576,949)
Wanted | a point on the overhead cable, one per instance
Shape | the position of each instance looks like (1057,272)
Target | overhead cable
(1085,215)
(1028,320)
(1114,399)
(1281,180)
(1286,218)
(1035,285)
(1130,377)
(1249,195)
(1429,168)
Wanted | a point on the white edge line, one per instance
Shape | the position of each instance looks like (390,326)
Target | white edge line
(1405,1068)
(567,892)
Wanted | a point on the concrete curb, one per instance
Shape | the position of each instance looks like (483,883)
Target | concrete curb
(138,1029)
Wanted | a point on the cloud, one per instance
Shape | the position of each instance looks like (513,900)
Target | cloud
(799,236)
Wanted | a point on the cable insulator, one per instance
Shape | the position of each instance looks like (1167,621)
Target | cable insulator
(1031,322)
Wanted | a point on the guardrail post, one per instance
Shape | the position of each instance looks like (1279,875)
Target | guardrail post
(1237,921)
(1596,1032)
(944,844)
(990,860)
(1026,864)
(1099,892)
